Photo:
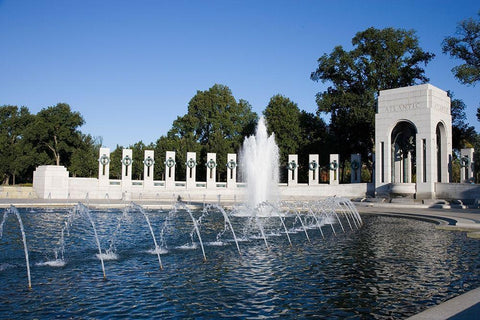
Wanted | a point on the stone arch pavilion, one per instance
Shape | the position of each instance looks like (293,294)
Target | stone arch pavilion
(413,141)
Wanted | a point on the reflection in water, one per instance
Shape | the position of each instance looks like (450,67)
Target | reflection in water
(390,268)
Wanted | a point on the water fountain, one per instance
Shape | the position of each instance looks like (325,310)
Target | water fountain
(265,257)
(259,162)
(24,239)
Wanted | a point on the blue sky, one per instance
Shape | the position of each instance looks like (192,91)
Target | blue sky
(131,67)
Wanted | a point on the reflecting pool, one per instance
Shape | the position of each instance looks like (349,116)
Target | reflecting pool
(390,267)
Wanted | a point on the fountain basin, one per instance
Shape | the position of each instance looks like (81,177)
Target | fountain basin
(390,267)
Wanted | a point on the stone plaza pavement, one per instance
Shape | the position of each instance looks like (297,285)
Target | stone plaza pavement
(465,306)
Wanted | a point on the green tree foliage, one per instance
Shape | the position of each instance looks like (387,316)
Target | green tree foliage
(314,140)
(55,132)
(380,59)
(215,122)
(116,163)
(138,154)
(463,135)
(283,118)
(465,45)
(16,156)
(84,159)
(296,132)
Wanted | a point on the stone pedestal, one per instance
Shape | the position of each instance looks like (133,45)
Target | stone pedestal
(334,169)
(313,169)
(191,170)
(170,166)
(356,168)
(231,170)
(292,170)
(211,167)
(51,182)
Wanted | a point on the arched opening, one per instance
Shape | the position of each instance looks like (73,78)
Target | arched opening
(441,155)
(403,152)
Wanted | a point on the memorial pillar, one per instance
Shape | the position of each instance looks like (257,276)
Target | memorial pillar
(104,166)
(356,168)
(127,161)
(211,170)
(313,169)
(333,168)
(466,165)
(292,169)
(191,170)
(170,166)
(148,165)
(231,170)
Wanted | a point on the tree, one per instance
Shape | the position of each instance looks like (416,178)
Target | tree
(116,162)
(463,135)
(55,131)
(84,159)
(314,140)
(381,59)
(465,46)
(283,118)
(16,152)
(216,122)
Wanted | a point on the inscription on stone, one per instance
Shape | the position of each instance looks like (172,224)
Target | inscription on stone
(442,108)
(401,107)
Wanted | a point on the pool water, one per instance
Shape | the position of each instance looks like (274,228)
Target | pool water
(391,267)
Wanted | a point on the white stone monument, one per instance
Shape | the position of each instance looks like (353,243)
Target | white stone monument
(104,166)
(191,170)
(412,122)
(211,167)
(466,165)
(313,169)
(51,182)
(170,166)
(148,168)
(231,170)
(292,167)
(334,169)
(127,161)
(356,168)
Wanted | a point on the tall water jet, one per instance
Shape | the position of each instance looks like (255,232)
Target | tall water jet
(14,210)
(259,163)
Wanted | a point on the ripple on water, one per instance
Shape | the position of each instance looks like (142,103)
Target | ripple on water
(57,263)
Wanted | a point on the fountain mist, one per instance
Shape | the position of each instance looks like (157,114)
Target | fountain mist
(259,162)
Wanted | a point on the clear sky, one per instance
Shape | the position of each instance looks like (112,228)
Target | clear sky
(131,67)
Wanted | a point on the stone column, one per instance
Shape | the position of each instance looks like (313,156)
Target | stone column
(292,170)
(191,170)
(373,168)
(466,165)
(170,166)
(356,168)
(211,170)
(334,169)
(409,167)
(231,170)
(313,169)
(127,162)
(104,166)
(148,168)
